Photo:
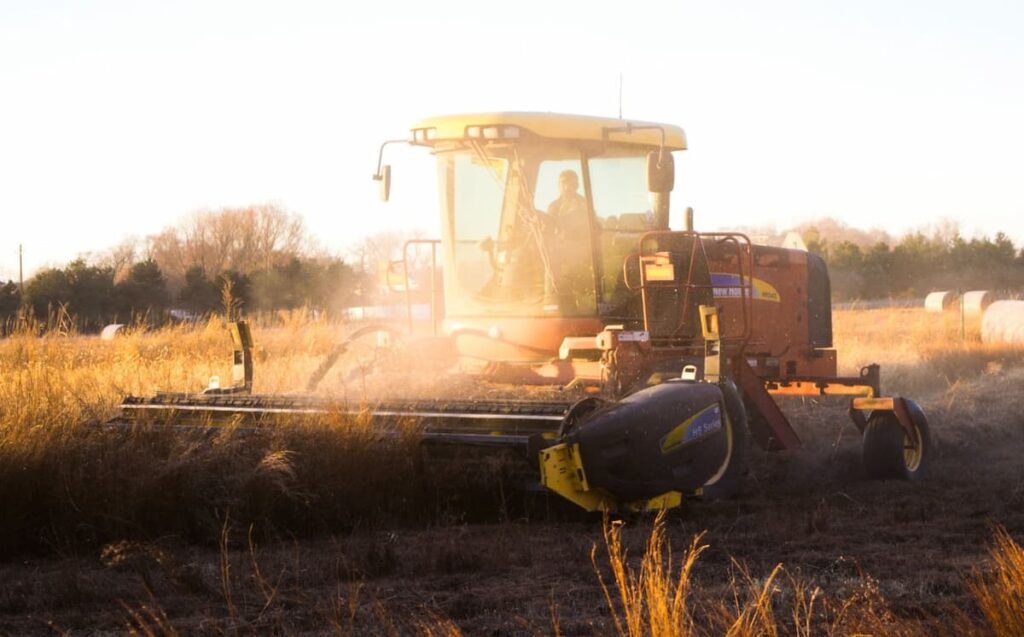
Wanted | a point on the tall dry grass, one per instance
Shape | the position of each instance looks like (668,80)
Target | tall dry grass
(64,484)
(919,352)
(67,485)
(651,600)
(656,598)
(999,587)
(962,383)
(663,597)
(662,593)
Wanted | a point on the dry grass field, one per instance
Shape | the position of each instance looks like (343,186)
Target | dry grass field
(331,531)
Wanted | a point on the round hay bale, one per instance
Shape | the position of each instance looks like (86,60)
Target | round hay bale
(938,302)
(110,331)
(1003,322)
(976,301)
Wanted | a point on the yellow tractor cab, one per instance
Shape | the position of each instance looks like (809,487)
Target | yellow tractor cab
(539,212)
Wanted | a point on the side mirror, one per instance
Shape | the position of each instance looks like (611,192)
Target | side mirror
(661,171)
(384,177)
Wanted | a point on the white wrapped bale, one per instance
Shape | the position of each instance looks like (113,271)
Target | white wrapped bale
(1003,323)
(110,331)
(938,302)
(976,302)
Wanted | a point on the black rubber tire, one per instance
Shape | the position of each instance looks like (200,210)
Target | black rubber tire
(888,453)
(729,479)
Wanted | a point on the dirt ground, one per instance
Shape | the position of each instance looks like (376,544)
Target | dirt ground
(811,510)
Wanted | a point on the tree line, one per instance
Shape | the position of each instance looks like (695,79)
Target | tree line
(91,294)
(265,260)
(917,264)
(260,256)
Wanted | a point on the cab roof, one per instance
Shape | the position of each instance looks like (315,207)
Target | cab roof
(550,125)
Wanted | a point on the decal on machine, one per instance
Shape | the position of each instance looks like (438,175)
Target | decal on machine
(634,337)
(727,285)
(703,423)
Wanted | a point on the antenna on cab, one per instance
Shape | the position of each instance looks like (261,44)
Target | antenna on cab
(620,94)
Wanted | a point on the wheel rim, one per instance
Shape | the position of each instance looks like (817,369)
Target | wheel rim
(913,452)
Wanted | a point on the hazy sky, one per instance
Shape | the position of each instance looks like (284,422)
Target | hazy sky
(118,118)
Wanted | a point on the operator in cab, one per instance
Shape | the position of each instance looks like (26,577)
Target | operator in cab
(570,205)
(568,225)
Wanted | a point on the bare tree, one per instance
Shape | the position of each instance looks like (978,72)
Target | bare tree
(240,239)
(122,257)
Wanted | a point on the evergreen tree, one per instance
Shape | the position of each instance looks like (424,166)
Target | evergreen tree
(46,290)
(144,291)
(10,299)
(199,295)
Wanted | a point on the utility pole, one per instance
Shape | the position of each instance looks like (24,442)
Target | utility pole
(21,270)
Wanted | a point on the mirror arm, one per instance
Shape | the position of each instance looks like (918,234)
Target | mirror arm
(380,156)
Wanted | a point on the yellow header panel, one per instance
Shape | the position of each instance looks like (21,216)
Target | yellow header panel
(556,126)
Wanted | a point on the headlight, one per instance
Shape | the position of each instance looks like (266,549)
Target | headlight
(493,132)
(422,135)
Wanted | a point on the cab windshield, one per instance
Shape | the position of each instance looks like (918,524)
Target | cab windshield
(539,228)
